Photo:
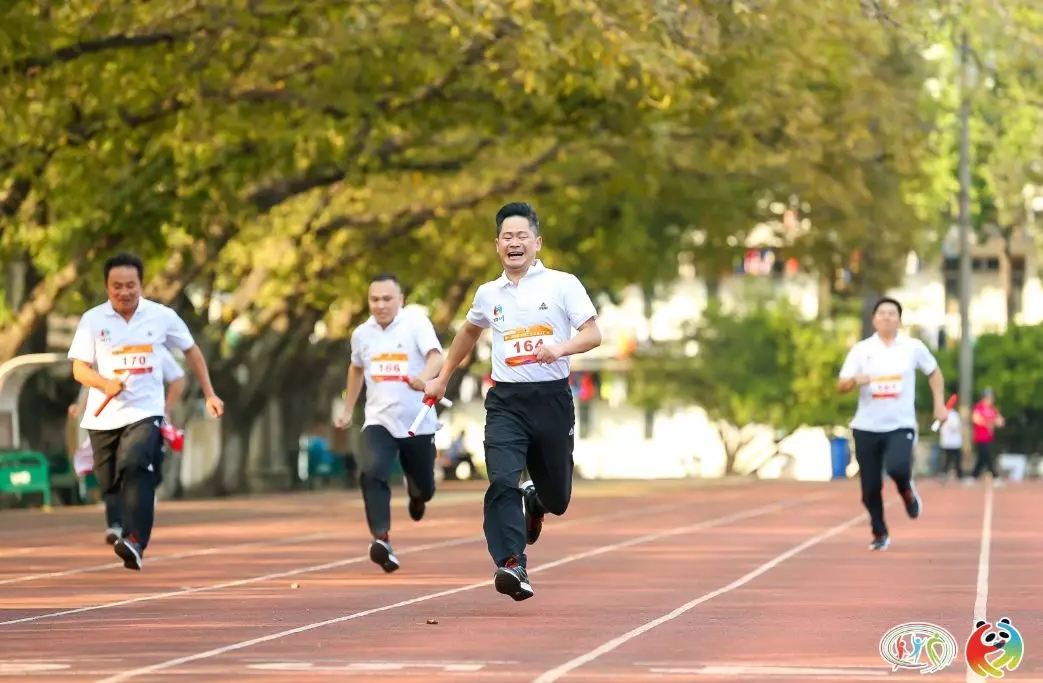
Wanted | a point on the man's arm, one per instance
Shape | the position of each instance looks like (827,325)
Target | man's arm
(849,377)
(86,375)
(937,384)
(431,367)
(195,360)
(588,337)
(462,346)
(431,349)
(351,395)
(583,315)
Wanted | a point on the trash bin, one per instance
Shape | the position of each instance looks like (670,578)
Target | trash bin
(841,453)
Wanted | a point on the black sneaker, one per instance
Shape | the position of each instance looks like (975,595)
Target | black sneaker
(533,519)
(512,579)
(913,504)
(416,509)
(130,552)
(880,542)
(380,552)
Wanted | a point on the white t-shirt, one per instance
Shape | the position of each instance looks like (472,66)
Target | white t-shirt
(119,349)
(950,435)
(887,402)
(388,356)
(543,308)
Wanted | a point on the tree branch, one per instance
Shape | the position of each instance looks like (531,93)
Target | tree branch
(74,51)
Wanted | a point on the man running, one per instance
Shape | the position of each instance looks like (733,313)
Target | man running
(530,416)
(114,353)
(394,352)
(174,377)
(883,368)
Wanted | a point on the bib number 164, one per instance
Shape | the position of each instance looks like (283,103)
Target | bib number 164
(526,346)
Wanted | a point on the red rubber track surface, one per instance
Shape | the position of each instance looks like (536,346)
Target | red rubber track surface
(639,581)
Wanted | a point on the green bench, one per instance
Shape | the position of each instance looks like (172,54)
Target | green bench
(23,472)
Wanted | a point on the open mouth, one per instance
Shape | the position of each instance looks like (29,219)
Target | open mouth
(515,254)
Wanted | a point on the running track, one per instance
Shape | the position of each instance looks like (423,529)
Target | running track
(665,581)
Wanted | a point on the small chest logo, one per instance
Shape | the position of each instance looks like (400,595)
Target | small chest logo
(543,307)
(497,313)
(104,336)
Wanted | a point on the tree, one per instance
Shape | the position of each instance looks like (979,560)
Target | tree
(761,366)
(1007,363)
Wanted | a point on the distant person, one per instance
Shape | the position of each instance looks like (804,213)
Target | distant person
(950,440)
(883,369)
(986,418)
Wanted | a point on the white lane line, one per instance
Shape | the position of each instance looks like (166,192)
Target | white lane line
(328,565)
(718,521)
(586,658)
(981,595)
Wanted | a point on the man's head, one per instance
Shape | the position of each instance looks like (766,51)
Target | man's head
(887,316)
(385,298)
(988,397)
(123,275)
(517,236)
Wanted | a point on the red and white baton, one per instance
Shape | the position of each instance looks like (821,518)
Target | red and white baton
(948,406)
(106,401)
(428,404)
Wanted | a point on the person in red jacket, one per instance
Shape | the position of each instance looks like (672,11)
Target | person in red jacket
(985,419)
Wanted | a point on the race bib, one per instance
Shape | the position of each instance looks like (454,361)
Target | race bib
(390,367)
(521,343)
(889,386)
(133,360)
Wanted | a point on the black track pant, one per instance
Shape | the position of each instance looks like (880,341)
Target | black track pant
(876,451)
(527,426)
(126,464)
(417,455)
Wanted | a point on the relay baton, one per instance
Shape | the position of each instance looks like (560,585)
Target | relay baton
(428,404)
(105,403)
(948,406)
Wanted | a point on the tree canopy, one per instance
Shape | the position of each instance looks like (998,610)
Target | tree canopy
(268,157)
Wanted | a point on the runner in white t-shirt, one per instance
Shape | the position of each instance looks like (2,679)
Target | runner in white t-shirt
(883,369)
(174,377)
(530,415)
(394,352)
(114,353)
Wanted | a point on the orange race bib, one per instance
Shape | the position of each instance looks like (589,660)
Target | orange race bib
(390,367)
(888,386)
(521,343)
(133,359)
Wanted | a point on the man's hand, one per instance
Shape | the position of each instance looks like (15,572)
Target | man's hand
(416,384)
(435,389)
(215,406)
(547,354)
(112,387)
(861,380)
(343,421)
(941,413)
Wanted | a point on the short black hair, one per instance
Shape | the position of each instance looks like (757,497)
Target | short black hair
(888,300)
(124,260)
(523,209)
(386,277)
